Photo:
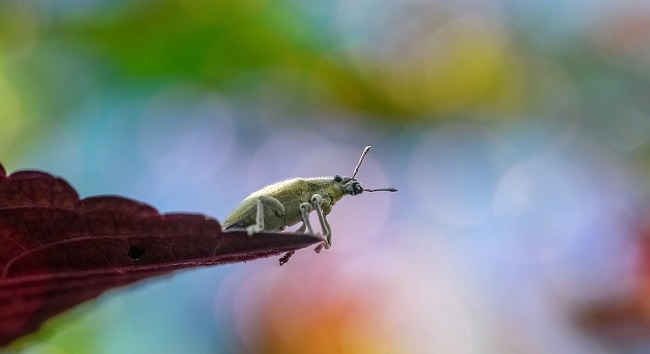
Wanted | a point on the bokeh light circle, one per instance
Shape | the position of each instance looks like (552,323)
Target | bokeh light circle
(454,173)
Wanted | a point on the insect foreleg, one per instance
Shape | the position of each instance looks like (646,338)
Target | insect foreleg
(270,202)
(328,238)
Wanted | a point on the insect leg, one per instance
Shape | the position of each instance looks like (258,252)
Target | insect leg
(328,240)
(317,202)
(274,204)
(262,201)
(285,258)
(305,209)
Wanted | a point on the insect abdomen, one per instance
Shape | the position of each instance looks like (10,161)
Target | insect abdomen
(290,193)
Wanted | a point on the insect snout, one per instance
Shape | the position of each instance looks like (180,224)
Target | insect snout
(353,188)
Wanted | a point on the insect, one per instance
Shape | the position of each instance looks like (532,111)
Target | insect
(289,202)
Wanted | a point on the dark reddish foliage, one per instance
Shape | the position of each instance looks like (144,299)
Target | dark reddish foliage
(626,318)
(58,251)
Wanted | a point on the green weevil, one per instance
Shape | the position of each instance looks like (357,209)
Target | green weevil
(289,202)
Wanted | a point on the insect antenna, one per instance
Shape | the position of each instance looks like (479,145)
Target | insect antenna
(356,169)
(380,190)
(363,154)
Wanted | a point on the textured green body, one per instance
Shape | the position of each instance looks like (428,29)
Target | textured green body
(290,193)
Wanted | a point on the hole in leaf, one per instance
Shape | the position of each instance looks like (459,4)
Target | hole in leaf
(135,252)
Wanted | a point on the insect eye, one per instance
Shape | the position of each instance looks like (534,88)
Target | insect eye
(338,178)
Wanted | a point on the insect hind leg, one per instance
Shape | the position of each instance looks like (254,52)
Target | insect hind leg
(263,201)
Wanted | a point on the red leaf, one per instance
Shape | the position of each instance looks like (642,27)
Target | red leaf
(626,317)
(58,251)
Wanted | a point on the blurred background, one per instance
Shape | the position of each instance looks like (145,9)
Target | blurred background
(517,133)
